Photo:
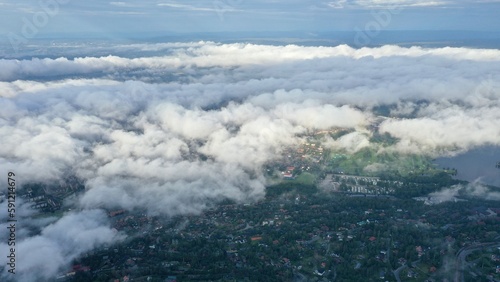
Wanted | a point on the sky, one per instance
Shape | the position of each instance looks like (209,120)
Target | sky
(173,128)
(140,17)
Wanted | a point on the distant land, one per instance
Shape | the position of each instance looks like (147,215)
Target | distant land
(403,38)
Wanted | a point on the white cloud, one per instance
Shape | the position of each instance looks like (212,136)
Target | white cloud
(214,8)
(474,190)
(386,4)
(46,255)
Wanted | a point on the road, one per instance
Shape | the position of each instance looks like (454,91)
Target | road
(462,254)
(397,271)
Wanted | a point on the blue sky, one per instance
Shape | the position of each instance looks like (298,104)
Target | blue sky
(168,16)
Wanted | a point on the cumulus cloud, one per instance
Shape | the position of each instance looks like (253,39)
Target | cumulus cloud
(446,127)
(351,142)
(176,133)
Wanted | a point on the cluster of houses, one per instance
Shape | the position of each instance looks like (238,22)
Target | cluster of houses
(306,157)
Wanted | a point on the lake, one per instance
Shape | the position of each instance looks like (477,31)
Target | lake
(477,164)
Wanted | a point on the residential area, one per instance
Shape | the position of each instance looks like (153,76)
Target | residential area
(304,235)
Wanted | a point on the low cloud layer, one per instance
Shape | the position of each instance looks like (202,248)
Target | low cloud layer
(176,133)
(41,257)
(474,190)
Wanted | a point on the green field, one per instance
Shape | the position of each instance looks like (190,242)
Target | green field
(305,178)
(368,161)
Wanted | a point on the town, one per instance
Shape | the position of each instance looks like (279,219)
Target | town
(300,234)
(325,217)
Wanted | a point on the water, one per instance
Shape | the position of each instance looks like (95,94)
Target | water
(477,164)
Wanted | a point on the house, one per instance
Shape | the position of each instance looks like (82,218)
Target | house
(320,271)
(171,279)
